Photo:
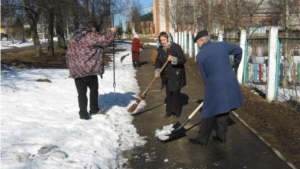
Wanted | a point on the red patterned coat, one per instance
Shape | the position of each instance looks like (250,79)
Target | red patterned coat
(84,54)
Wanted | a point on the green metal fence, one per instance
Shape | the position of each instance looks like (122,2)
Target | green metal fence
(288,72)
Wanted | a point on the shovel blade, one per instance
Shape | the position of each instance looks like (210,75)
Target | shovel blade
(176,125)
(178,132)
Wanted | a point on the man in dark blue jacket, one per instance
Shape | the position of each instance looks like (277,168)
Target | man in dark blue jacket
(222,92)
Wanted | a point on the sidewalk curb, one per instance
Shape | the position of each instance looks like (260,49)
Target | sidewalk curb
(263,140)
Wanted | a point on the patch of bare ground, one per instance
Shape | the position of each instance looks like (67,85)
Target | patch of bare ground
(27,59)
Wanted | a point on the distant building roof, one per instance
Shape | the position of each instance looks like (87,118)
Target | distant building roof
(147,17)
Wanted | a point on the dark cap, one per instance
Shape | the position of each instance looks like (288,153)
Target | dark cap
(200,35)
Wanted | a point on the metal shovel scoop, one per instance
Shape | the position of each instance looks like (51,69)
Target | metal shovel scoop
(175,130)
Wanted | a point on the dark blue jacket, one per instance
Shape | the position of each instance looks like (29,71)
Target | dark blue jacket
(222,91)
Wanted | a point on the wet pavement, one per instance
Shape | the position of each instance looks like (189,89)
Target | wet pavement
(243,149)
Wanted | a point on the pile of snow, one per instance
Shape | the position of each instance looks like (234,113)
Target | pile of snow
(40,125)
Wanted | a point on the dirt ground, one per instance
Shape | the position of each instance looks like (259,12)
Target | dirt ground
(277,123)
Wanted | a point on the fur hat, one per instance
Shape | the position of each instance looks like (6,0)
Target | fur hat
(136,36)
(200,35)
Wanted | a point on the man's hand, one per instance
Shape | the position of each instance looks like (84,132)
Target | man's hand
(113,29)
(235,67)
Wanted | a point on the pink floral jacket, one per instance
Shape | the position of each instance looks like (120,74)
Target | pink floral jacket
(84,54)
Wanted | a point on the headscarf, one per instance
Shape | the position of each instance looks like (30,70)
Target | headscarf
(170,42)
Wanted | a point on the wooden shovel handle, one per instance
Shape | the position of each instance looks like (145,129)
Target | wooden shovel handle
(161,69)
(195,111)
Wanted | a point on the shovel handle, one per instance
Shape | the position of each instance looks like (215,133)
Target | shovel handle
(195,111)
(162,68)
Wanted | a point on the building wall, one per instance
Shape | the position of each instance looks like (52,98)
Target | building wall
(16,32)
(147,27)
(162,15)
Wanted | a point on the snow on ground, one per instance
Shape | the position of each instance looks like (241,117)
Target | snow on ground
(19,44)
(40,125)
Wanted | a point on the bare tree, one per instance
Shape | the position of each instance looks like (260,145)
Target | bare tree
(233,15)
(74,5)
(60,17)
(33,11)
(48,6)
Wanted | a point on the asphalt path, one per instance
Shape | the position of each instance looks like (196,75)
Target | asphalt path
(243,149)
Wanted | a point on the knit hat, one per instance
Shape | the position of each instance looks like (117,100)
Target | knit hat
(200,35)
(136,36)
(91,24)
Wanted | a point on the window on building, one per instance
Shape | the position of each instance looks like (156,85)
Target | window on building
(261,23)
(149,27)
(248,23)
(273,23)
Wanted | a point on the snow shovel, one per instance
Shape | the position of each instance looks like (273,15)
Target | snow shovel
(143,95)
(176,129)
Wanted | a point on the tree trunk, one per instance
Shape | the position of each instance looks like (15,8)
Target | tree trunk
(286,53)
(60,33)
(12,38)
(51,33)
(75,14)
(36,41)
(33,17)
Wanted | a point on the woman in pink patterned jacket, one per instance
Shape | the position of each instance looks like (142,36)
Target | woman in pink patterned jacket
(85,61)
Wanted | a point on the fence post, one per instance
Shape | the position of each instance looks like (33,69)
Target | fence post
(181,40)
(298,72)
(220,36)
(184,42)
(196,47)
(241,66)
(191,45)
(272,64)
(173,37)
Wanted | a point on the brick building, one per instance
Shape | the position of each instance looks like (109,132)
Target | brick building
(147,26)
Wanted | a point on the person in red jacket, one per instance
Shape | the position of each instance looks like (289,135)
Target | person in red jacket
(135,49)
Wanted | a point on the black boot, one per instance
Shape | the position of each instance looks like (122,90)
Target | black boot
(133,63)
(137,63)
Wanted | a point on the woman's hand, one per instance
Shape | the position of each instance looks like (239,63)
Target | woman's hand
(170,58)
(157,74)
